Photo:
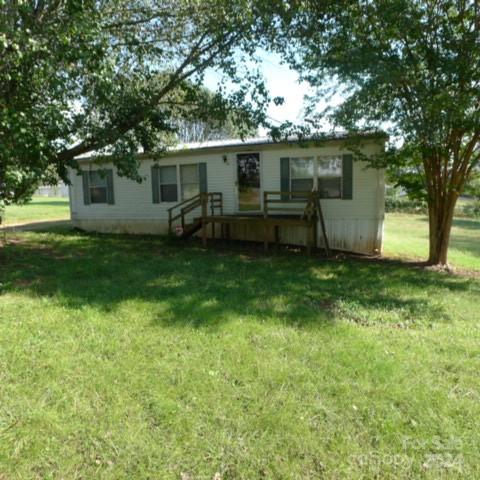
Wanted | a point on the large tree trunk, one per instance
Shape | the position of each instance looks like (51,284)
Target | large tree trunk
(440,214)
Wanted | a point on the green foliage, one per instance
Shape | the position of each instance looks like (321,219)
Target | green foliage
(472,209)
(404,204)
(411,66)
(389,56)
(130,357)
(473,186)
(113,77)
(201,126)
(469,209)
(395,202)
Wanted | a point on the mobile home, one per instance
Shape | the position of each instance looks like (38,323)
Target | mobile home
(238,178)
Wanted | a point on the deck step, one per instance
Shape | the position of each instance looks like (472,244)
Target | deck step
(191,228)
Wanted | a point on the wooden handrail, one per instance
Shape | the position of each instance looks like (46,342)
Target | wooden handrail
(187,200)
(190,204)
(305,202)
(304,194)
(286,209)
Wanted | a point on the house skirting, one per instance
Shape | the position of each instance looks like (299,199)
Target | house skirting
(359,235)
(134,227)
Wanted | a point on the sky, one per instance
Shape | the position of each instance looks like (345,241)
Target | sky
(282,82)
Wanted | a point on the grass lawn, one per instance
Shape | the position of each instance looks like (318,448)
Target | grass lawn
(127,358)
(39,209)
(406,236)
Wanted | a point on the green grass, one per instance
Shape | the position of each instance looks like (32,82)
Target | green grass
(127,358)
(406,236)
(39,209)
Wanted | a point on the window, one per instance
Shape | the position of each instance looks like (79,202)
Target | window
(329,172)
(98,188)
(190,178)
(331,175)
(301,175)
(168,183)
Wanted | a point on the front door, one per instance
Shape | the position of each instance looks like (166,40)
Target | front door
(248,177)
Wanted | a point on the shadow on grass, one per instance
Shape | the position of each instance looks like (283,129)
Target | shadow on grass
(462,241)
(469,224)
(183,285)
(465,223)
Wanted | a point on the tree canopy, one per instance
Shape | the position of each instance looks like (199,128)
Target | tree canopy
(196,128)
(115,76)
(409,66)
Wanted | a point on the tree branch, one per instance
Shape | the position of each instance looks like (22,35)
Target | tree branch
(181,73)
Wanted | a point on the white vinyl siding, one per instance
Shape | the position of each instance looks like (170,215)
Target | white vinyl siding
(351,225)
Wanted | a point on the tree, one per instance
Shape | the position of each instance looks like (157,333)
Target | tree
(195,129)
(202,131)
(82,76)
(411,64)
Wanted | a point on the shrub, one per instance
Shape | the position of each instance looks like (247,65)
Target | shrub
(405,205)
(472,209)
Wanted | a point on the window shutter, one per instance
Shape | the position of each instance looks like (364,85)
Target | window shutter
(202,177)
(110,194)
(155,184)
(285,176)
(86,188)
(347,177)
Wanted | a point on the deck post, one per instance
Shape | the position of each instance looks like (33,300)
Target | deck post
(309,239)
(222,226)
(322,225)
(204,217)
(265,224)
(212,213)
(204,232)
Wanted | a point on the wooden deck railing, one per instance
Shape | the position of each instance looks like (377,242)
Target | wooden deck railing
(306,204)
(212,201)
(302,203)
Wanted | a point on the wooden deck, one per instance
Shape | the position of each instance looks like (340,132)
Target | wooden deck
(303,209)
